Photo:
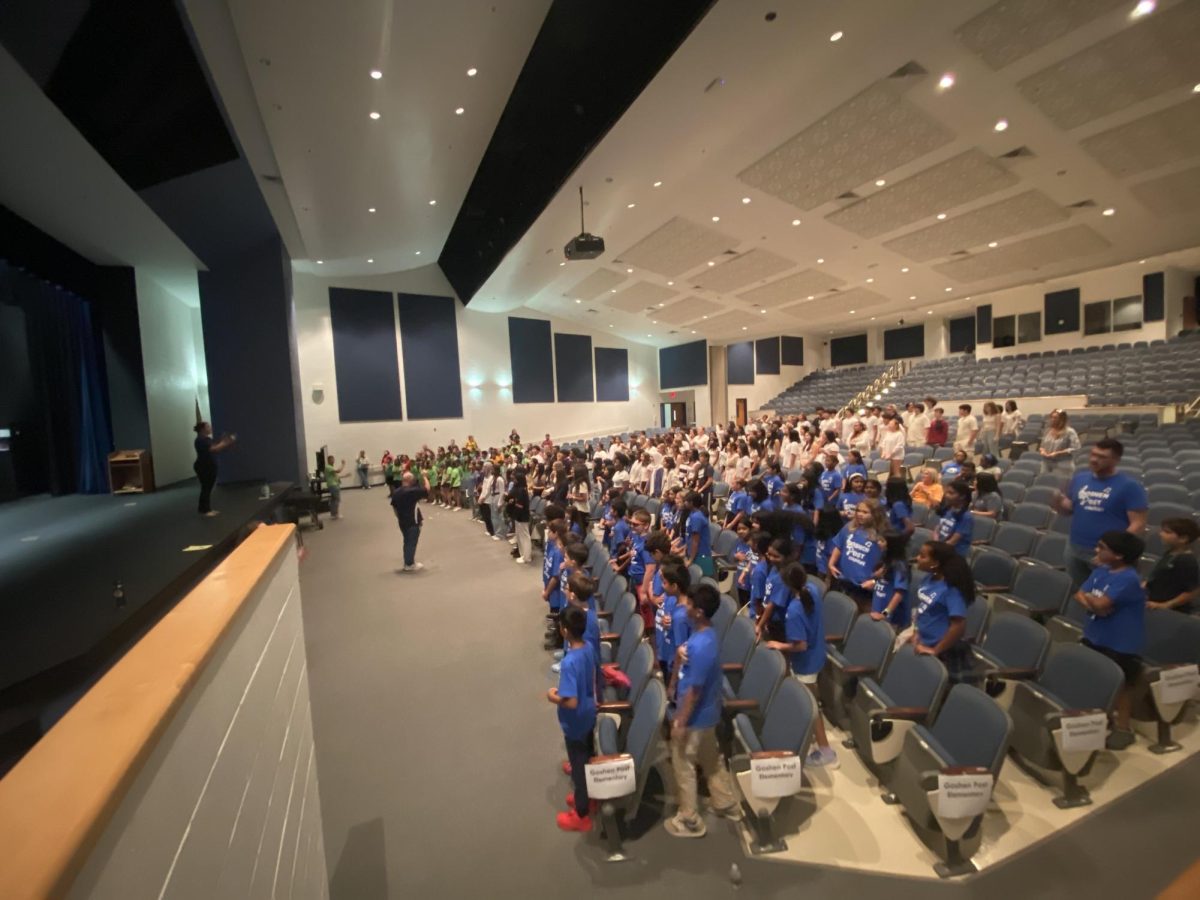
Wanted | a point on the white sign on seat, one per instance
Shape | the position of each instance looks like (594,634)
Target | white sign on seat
(1178,683)
(775,774)
(609,777)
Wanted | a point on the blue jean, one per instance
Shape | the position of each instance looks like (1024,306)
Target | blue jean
(1079,563)
(364,477)
(335,501)
(412,533)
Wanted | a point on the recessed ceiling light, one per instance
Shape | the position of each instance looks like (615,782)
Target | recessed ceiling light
(376,74)
(693,331)
(472,72)
(812,296)
(904,268)
(418,253)
(716,218)
(1144,8)
(670,282)
(613,291)
(836,36)
(913,297)
(629,271)
(1196,88)
(872,318)
(459,111)
(948,290)
(1001,125)
(577,300)
(370,209)
(745,199)
(1141,262)
(993,243)
(820,260)
(795,221)
(320,262)
(562,263)
(373,114)
(661,305)
(370,260)
(610,326)
(763,311)
(630,205)
(852,312)
(946,81)
(1108,212)
(711,263)
(929,313)
(704,317)
(658,184)
(941,216)
(654,321)
(745,328)
(870,281)
(879,182)
(433,203)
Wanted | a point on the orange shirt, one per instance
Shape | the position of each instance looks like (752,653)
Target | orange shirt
(930,495)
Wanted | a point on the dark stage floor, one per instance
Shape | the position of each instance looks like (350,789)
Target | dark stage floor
(62,558)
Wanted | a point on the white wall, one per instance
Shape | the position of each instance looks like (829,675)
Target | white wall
(488,410)
(227,804)
(176,376)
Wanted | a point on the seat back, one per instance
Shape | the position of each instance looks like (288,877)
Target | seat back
(1017,641)
(789,721)
(913,680)
(763,674)
(648,714)
(973,729)
(978,614)
(1014,539)
(626,607)
(738,642)
(724,544)
(1171,637)
(916,539)
(1081,677)
(724,616)
(1035,515)
(611,597)
(984,531)
(640,671)
(869,643)
(838,611)
(994,568)
(631,639)
(1043,587)
(1050,549)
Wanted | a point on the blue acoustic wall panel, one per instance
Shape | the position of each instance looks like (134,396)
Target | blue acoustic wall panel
(766,356)
(962,334)
(1061,312)
(739,363)
(904,343)
(429,339)
(1153,306)
(848,351)
(983,324)
(792,350)
(573,368)
(612,374)
(685,365)
(364,355)
(532,362)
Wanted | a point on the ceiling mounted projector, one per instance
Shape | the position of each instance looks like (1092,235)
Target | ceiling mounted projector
(583,245)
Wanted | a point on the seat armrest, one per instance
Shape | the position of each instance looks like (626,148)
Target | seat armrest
(1013,672)
(605,613)
(857,670)
(615,706)
(736,706)
(834,638)
(902,713)
(729,668)
(611,757)
(992,588)
(610,636)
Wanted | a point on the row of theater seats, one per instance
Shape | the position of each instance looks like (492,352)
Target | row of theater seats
(905,719)
(827,388)
(1109,375)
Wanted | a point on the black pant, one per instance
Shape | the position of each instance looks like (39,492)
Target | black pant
(208,478)
(578,754)
(486,512)
(856,592)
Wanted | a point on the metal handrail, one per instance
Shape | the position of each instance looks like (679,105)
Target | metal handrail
(876,387)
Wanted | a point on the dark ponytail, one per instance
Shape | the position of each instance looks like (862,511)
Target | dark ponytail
(953,569)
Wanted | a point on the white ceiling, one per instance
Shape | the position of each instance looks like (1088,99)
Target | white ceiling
(307,66)
(777,113)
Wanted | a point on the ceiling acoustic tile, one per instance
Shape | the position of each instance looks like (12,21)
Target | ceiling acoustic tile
(1171,194)
(1026,255)
(874,132)
(640,295)
(960,179)
(836,304)
(995,222)
(689,309)
(728,322)
(741,271)
(1155,55)
(1156,140)
(677,247)
(599,282)
(794,287)
(1012,29)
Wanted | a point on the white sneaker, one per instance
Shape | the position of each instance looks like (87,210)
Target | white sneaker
(495,537)
(521,561)
(415,567)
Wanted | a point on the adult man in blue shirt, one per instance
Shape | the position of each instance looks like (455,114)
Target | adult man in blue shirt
(1099,500)
(697,712)
(404,501)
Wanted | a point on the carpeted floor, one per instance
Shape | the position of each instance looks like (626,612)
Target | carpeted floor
(438,755)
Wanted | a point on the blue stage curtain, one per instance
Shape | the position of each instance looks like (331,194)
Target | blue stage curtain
(67,368)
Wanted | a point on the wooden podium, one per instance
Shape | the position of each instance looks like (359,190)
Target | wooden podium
(130,472)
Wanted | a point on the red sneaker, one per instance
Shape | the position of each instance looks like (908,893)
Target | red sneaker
(570,821)
(566,767)
(593,805)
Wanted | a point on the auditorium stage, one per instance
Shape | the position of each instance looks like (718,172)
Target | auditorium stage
(63,616)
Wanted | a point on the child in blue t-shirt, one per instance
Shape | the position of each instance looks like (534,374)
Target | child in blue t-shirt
(1116,610)
(804,642)
(552,560)
(942,601)
(956,525)
(760,497)
(671,622)
(774,481)
(575,698)
(899,506)
(889,592)
(952,467)
(697,541)
(619,537)
(854,493)
(668,513)
(856,553)
(756,581)
(854,466)
(771,622)
(737,509)
(743,558)
(831,479)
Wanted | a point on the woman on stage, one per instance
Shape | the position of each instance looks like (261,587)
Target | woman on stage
(205,465)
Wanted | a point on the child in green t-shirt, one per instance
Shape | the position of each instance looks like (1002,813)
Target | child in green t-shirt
(333,483)
(454,484)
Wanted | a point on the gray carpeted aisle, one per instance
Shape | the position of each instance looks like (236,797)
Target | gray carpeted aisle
(438,755)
